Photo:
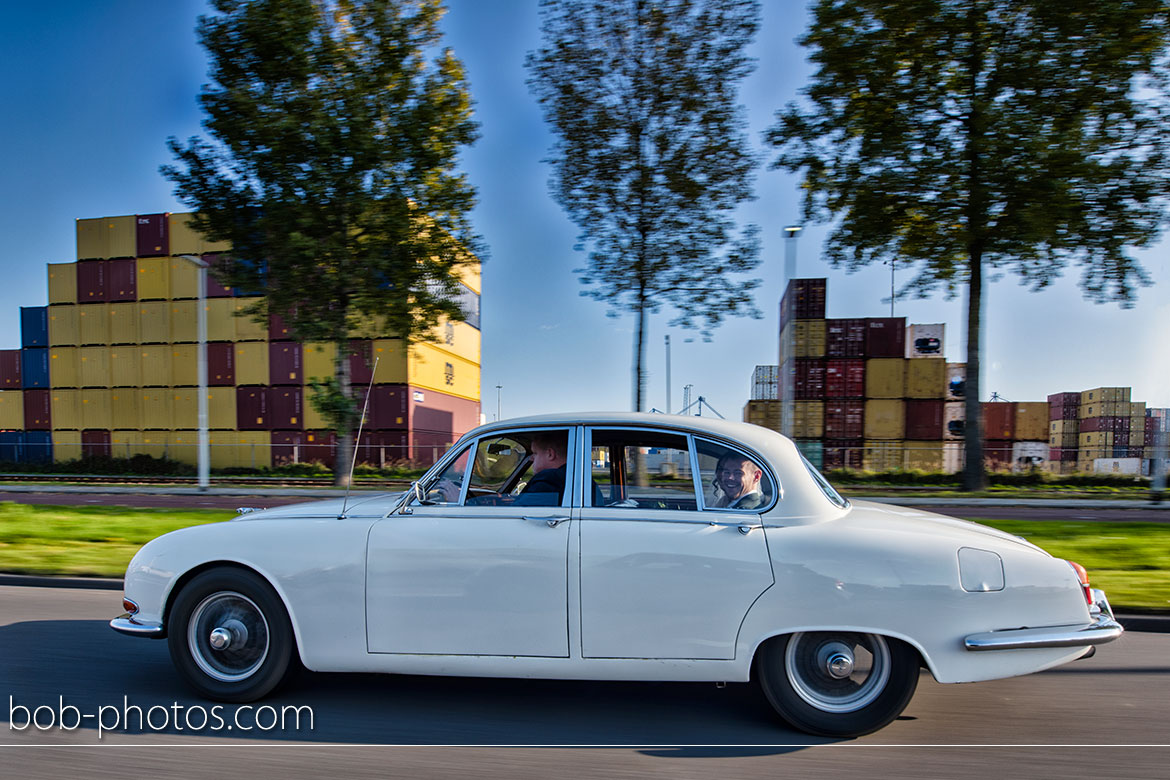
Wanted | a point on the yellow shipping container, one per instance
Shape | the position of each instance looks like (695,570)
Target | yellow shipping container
(392,363)
(154,278)
(221,408)
(184,366)
(1031,421)
(923,455)
(93,323)
(314,420)
(154,363)
(809,420)
(155,408)
(106,237)
(459,339)
(1137,438)
(433,369)
(66,446)
(185,241)
(1137,409)
(154,322)
(93,365)
(63,367)
(764,413)
(469,274)
(183,446)
(63,326)
(926,378)
(317,361)
(241,449)
(1096,440)
(157,444)
(125,362)
(885,419)
(251,363)
(124,408)
(65,409)
(123,323)
(184,322)
(1063,440)
(221,324)
(182,279)
(96,411)
(11,410)
(246,327)
(184,408)
(885,378)
(62,283)
(882,456)
(1063,427)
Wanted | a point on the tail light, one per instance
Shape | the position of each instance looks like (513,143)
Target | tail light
(130,607)
(1083,578)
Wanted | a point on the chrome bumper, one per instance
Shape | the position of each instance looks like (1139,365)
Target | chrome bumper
(131,627)
(1102,629)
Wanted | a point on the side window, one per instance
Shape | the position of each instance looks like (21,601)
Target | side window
(641,470)
(731,479)
(525,468)
(446,489)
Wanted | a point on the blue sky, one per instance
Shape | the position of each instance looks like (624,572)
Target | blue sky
(92,91)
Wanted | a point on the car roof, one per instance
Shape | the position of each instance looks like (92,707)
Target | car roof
(744,432)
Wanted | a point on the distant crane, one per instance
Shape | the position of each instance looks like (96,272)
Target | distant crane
(700,403)
(686,398)
(997,397)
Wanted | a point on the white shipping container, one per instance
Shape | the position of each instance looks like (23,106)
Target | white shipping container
(954,415)
(956,381)
(1117,465)
(766,383)
(925,340)
(952,457)
(1027,455)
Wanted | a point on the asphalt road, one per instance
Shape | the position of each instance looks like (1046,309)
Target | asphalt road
(56,649)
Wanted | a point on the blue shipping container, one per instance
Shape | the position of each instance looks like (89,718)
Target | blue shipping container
(11,446)
(34,326)
(34,367)
(38,447)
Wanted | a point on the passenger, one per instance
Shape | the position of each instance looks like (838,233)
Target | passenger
(738,479)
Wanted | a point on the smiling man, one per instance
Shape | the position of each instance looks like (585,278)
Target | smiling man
(739,480)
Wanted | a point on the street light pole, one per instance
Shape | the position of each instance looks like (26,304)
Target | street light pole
(201,324)
(498,388)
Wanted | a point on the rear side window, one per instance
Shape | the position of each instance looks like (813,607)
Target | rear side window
(733,480)
(631,469)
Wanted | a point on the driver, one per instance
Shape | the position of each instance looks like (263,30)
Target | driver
(738,478)
(549,467)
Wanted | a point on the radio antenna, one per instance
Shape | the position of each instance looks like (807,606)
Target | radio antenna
(357,440)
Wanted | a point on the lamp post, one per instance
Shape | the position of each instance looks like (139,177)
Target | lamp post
(201,320)
(498,389)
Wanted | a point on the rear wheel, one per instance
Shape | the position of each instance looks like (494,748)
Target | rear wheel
(837,683)
(230,636)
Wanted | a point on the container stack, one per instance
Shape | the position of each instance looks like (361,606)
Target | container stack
(763,406)
(1063,432)
(110,367)
(1112,431)
(1015,435)
(802,364)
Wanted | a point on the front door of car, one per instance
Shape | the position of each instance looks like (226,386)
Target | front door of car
(661,577)
(479,568)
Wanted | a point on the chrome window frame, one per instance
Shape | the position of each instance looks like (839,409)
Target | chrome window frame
(760,461)
(587,460)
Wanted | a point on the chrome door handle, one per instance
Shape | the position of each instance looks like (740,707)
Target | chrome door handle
(552,522)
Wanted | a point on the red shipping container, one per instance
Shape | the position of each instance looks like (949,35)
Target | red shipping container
(845,338)
(997,455)
(388,410)
(1151,430)
(885,337)
(843,454)
(284,363)
(215,288)
(91,281)
(999,421)
(441,414)
(36,410)
(287,447)
(153,235)
(286,409)
(252,408)
(95,444)
(1063,454)
(122,279)
(10,369)
(924,420)
(1064,406)
(844,378)
(221,364)
(1091,425)
(320,447)
(804,299)
(809,384)
(278,328)
(844,419)
(383,448)
(361,362)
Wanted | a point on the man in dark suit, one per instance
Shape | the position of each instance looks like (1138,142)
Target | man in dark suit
(739,480)
(549,467)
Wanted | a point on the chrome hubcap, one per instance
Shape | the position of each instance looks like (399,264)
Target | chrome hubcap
(837,672)
(838,660)
(228,636)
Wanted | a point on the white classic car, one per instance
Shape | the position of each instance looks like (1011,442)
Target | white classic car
(617,547)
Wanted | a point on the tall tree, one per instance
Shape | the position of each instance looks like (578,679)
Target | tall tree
(957,135)
(652,156)
(331,171)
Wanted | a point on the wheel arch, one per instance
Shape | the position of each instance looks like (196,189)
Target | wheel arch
(764,641)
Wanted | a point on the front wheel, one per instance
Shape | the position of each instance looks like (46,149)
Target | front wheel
(230,636)
(837,683)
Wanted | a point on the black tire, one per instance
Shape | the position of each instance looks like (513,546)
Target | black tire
(230,636)
(837,683)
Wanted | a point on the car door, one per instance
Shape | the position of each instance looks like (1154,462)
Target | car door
(661,576)
(481,566)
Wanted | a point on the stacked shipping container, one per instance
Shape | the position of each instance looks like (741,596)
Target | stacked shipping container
(110,365)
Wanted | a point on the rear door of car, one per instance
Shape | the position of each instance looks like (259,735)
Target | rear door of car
(661,577)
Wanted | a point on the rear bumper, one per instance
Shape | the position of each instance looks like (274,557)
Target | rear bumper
(126,624)
(1103,628)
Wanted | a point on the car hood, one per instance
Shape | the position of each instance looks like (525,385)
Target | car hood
(361,505)
(911,519)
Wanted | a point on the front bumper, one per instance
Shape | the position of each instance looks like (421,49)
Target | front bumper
(1103,628)
(126,624)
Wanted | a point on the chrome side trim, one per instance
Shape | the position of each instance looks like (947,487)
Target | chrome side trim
(131,627)
(1101,630)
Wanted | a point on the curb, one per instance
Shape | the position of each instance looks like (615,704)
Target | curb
(1156,624)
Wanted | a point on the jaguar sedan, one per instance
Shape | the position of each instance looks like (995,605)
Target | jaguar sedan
(617,547)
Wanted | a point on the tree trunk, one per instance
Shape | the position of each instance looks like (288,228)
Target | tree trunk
(974,476)
(345,441)
(640,356)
